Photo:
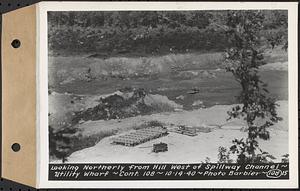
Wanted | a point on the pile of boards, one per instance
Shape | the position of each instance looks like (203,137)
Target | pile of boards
(185,130)
(140,136)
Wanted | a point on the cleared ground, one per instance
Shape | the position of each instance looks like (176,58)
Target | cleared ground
(182,148)
(78,84)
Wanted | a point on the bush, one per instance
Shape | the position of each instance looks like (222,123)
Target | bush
(224,155)
(66,141)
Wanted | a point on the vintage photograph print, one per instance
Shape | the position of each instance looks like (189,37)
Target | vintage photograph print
(168,94)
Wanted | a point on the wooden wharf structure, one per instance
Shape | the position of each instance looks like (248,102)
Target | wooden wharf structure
(140,136)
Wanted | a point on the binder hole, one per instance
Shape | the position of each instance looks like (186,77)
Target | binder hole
(16,43)
(16,147)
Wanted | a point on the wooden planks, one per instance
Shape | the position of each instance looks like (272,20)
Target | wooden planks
(140,136)
(184,130)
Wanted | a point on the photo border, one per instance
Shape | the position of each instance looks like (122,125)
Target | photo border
(42,91)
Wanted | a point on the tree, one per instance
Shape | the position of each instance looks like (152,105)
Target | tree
(243,60)
(279,34)
(60,143)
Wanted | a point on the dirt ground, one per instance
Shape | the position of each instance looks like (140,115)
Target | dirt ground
(182,148)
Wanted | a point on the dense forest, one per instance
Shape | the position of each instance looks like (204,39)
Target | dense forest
(138,33)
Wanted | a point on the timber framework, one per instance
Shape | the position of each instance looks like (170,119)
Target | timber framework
(140,136)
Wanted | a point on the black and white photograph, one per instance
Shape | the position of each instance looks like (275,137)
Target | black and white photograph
(166,89)
(168,86)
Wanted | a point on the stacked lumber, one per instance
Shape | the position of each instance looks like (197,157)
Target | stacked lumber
(185,130)
(140,136)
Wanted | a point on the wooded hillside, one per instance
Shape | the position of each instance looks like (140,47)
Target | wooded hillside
(138,33)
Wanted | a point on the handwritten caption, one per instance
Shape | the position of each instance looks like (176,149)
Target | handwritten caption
(167,171)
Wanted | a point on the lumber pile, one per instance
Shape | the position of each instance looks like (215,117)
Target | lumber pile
(140,136)
(185,130)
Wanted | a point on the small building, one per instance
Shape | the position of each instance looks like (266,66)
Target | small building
(160,147)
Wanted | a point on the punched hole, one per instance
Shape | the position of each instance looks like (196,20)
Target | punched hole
(16,43)
(16,147)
